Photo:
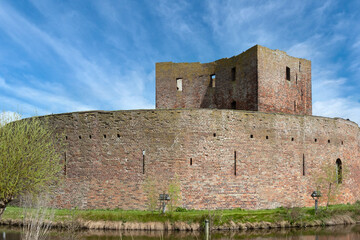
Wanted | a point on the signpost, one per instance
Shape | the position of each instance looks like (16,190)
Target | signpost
(164,198)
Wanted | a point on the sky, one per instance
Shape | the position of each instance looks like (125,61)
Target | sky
(66,56)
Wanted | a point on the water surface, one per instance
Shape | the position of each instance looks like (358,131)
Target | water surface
(327,233)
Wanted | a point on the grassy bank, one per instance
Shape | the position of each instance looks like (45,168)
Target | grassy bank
(217,217)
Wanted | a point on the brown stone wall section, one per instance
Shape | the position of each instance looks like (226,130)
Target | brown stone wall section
(276,93)
(104,157)
(242,88)
(238,85)
(196,89)
(255,80)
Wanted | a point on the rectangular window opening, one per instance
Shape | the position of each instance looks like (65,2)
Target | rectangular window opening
(288,73)
(299,66)
(233,105)
(179,84)
(233,74)
(212,80)
(303,165)
(190,161)
(65,163)
(143,162)
(235,163)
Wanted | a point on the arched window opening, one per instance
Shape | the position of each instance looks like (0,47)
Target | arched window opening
(212,80)
(339,171)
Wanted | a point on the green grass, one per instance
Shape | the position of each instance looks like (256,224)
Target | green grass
(218,217)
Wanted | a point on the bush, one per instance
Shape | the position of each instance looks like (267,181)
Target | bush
(181,209)
(294,215)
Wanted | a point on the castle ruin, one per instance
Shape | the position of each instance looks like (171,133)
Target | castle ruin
(236,133)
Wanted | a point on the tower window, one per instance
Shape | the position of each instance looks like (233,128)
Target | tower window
(299,66)
(233,105)
(212,80)
(190,161)
(233,74)
(179,84)
(288,73)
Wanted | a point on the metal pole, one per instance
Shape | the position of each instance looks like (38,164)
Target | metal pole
(207,229)
(316,205)
(163,207)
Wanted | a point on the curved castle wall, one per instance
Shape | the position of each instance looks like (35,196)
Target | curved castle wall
(250,160)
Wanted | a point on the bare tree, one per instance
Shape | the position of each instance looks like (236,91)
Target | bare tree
(37,218)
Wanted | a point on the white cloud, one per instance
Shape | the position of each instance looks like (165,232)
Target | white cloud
(346,108)
(91,81)
(303,50)
(7,117)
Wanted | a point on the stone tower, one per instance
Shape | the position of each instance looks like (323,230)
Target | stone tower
(259,79)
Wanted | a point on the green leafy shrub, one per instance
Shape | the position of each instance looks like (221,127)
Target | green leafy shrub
(181,209)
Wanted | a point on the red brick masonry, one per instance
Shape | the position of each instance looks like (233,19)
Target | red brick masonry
(255,80)
(264,158)
(270,149)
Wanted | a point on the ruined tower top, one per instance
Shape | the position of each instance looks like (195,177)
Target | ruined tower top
(259,79)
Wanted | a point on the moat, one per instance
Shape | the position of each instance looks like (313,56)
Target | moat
(335,232)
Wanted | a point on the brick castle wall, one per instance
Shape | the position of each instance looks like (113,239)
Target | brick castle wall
(104,157)
(235,81)
(276,92)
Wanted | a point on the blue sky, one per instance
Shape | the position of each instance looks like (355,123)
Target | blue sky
(64,56)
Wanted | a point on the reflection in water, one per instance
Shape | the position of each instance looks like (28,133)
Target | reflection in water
(328,233)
